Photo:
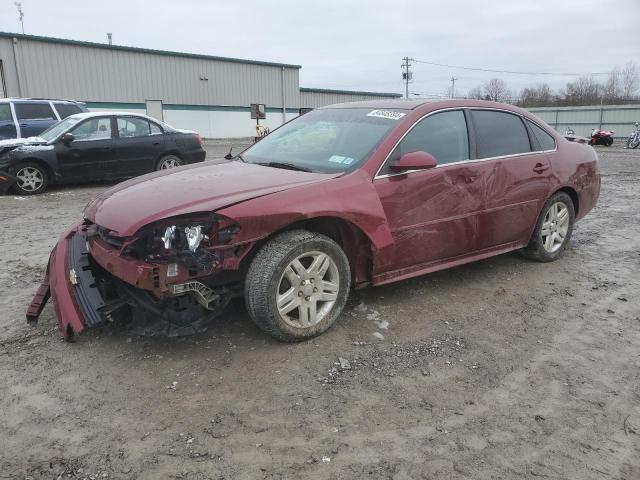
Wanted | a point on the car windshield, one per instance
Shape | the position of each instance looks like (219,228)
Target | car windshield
(325,140)
(55,130)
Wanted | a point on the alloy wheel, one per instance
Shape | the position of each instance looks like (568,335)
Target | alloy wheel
(308,289)
(555,227)
(29,179)
(170,162)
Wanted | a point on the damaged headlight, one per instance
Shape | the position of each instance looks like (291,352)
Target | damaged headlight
(193,235)
(187,240)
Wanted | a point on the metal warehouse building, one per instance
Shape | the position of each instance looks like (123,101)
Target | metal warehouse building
(209,94)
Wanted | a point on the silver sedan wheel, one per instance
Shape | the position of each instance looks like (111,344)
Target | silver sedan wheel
(555,227)
(170,161)
(308,289)
(30,179)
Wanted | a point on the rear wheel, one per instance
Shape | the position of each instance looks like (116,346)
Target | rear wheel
(553,229)
(297,285)
(31,179)
(169,161)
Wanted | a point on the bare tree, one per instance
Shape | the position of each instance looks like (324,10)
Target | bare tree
(496,90)
(612,90)
(584,91)
(476,93)
(539,96)
(629,80)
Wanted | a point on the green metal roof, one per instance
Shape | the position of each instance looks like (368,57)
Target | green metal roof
(351,92)
(64,41)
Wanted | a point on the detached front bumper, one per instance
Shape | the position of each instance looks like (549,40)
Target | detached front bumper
(6,181)
(71,284)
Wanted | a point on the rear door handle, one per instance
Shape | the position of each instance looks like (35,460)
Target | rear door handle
(539,168)
(470,179)
(155,144)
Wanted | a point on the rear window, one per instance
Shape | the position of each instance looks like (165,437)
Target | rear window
(499,133)
(67,109)
(34,111)
(545,141)
(5,113)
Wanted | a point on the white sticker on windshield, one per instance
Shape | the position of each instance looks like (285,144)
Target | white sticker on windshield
(341,159)
(390,114)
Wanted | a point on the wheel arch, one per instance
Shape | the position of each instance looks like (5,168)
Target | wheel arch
(573,194)
(353,240)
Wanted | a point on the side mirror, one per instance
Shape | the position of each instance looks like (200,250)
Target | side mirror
(67,138)
(414,161)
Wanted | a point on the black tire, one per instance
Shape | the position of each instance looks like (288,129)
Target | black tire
(166,160)
(608,141)
(266,275)
(536,249)
(36,174)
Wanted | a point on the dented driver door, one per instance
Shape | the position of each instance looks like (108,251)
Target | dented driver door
(433,214)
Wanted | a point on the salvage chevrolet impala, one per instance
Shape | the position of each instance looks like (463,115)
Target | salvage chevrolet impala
(344,196)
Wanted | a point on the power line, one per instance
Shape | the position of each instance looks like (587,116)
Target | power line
(507,71)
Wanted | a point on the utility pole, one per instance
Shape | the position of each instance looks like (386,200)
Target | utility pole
(110,38)
(407,75)
(20,13)
(453,87)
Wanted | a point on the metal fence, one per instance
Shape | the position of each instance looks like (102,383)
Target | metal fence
(582,120)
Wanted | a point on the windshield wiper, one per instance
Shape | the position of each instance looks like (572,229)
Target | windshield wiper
(288,166)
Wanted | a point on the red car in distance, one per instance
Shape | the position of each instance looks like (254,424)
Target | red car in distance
(344,196)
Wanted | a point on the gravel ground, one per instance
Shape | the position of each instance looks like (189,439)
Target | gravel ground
(505,368)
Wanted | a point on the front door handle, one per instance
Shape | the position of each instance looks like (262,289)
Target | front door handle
(470,179)
(155,144)
(539,168)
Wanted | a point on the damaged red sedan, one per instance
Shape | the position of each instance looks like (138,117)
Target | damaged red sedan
(344,196)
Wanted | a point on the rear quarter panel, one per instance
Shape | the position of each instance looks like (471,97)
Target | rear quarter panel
(575,165)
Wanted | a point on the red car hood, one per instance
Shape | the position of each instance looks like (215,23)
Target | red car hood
(202,187)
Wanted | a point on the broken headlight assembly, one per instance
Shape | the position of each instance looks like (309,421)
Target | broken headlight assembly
(187,240)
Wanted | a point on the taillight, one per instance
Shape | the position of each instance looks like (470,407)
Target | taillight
(199,139)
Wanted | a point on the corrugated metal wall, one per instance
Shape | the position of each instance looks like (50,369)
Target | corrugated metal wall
(97,74)
(314,98)
(582,120)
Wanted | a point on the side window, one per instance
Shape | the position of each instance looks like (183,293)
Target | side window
(5,113)
(66,109)
(93,129)
(499,133)
(545,140)
(133,127)
(155,129)
(34,111)
(443,135)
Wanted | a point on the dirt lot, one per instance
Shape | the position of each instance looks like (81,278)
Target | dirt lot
(501,369)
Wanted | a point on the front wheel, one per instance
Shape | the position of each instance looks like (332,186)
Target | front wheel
(169,161)
(297,285)
(553,229)
(31,179)
(608,141)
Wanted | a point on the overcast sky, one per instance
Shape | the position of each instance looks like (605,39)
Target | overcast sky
(359,45)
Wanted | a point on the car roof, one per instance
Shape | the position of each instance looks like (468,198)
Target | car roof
(400,104)
(109,113)
(19,99)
